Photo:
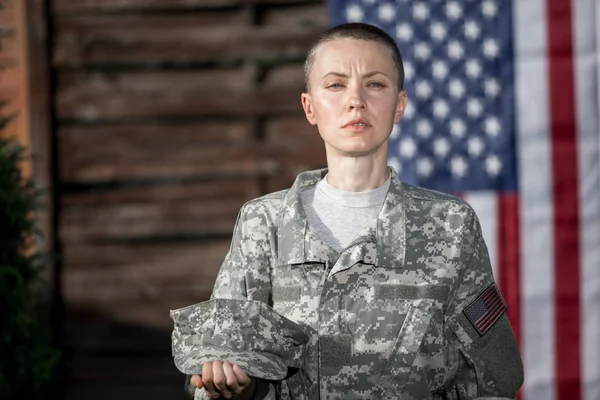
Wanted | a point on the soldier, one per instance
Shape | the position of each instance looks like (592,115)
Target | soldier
(395,280)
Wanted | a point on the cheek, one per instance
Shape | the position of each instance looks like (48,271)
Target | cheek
(324,108)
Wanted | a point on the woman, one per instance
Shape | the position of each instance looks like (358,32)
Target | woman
(394,279)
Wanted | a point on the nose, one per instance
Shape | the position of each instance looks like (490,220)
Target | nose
(356,100)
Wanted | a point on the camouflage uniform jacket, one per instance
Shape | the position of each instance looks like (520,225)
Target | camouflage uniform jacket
(388,310)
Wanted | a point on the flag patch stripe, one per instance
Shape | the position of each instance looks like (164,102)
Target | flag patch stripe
(485,309)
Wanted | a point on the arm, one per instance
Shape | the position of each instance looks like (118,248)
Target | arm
(482,357)
(246,274)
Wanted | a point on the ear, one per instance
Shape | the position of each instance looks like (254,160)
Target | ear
(401,107)
(308,108)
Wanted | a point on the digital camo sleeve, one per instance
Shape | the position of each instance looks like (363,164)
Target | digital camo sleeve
(481,349)
(246,270)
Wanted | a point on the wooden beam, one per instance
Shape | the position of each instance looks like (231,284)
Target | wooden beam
(36,87)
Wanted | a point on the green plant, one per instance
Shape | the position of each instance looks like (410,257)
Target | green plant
(28,360)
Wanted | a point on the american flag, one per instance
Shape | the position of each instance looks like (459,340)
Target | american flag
(503,111)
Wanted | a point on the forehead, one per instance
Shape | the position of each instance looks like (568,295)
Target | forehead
(346,52)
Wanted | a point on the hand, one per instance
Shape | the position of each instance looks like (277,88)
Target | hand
(224,379)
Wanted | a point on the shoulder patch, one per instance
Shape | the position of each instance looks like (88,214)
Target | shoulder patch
(485,310)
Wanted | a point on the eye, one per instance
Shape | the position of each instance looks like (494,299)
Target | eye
(334,86)
(376,84)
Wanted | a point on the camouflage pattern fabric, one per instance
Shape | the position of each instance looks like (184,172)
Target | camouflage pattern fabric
(388,310)
(246,332)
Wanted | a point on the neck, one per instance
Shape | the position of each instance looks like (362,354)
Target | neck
(357,174)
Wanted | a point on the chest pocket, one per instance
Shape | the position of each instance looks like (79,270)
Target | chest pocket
(421,334)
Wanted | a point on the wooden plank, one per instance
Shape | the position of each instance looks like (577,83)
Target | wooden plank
(159,150)
(40,122)
(304,16)
(158,259)
(168,38)
(168,192)
(146,220)
(131,369)
(144,312)
(89,6)
(149,390)
(96,95)
(295,145)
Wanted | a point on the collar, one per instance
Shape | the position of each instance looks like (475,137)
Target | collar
(292,227)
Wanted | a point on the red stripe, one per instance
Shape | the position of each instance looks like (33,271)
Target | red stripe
(566,204)
(508,259)
(491,316)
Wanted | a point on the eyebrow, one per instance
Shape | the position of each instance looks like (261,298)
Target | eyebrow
(342,75)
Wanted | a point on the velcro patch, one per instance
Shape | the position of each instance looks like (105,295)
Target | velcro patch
(486,309)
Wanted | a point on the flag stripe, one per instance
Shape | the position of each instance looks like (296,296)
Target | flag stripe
(508,215)
(491,315)
(565,197)
(533,147)
(586,67)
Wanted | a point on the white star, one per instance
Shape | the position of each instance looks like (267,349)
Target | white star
(474,107)
(457,89)
(409,111)
(424,167)
(440,70)
(408,148)
(457,128)
(438,31)
(492,87)
(422,51)
(473,69)
(409,70)
(420,11)
(492,126)
(490,48)
(424,128)
(475,146)
(395,131)
(387,12)
(489,8)
(455,50)
(404,31)
(453,10)
(458,166)
(440,108)
(354,13)
(472,30)
(493,165)
(441,147)
(423,89)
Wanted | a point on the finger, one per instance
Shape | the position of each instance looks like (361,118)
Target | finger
(196,381)
(242,378)
(207,379)
(231,382)
(219,379)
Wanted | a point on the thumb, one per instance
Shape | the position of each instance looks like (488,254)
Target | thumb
(196,381)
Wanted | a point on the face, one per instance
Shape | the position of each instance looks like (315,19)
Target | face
(353,97)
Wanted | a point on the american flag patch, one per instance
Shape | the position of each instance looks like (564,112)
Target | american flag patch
(486,309)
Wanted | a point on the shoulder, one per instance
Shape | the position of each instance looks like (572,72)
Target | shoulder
(422,199)
(264,208)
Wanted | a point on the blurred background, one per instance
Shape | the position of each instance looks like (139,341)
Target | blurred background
(148,123)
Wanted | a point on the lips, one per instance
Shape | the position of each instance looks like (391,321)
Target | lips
(357,122)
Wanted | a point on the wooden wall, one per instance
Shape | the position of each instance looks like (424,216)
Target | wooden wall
(168,115)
